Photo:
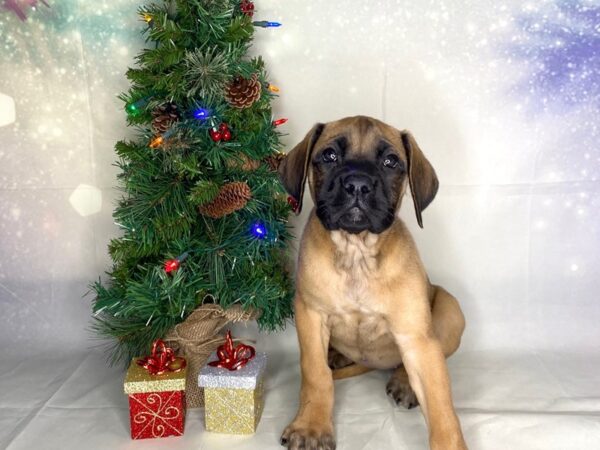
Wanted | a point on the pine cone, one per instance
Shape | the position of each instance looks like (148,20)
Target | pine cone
(231,197)
(273,161)
(242,92)
(164,116)
(243,162)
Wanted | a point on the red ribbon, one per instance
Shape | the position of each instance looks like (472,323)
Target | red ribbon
(161,360)
(232,358)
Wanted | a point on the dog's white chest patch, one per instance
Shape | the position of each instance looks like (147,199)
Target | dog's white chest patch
(355,254)
(356,260)
(356,319)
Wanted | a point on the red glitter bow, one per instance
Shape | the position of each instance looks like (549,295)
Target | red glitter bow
(232,358)
(161,360)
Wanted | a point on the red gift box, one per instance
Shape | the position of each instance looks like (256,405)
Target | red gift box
(157,414)
(156,389)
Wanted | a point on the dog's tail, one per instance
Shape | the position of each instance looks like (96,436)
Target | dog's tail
(352,370)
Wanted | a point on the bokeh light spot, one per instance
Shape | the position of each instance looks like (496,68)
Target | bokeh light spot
(8,112)
(86,200)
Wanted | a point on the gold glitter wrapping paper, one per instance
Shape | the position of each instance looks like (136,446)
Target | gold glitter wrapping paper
(233,411)
(139,380)
(233,400)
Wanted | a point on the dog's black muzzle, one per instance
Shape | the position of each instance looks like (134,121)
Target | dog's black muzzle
(353,199)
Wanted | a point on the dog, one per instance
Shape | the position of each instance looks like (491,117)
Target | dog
(362,294)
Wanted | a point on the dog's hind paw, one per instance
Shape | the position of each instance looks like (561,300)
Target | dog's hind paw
(335,360)
(401,393)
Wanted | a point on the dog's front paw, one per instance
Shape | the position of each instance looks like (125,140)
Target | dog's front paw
(401,392)
(298,436)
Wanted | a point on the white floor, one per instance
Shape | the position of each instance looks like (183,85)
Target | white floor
(505,401)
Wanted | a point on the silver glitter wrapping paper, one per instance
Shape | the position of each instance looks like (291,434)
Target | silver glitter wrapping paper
(245,378)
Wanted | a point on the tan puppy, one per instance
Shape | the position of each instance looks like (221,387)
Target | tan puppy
(362,293)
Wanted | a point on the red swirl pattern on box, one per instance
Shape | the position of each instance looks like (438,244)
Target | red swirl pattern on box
(157,414)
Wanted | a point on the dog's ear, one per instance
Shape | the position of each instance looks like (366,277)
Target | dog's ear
(293,170)
(421,176)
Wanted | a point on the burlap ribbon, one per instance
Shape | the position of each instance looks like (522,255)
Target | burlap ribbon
(198,336)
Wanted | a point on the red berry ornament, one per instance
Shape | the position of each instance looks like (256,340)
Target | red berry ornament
(221,133)
(215,135)
(293,203)
(247,7)
(172,265)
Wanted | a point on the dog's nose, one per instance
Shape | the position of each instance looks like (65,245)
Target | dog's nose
(358,184)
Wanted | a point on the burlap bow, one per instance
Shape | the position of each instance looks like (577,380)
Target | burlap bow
(198,336)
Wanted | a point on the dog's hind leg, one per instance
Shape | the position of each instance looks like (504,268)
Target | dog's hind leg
(336,360)
(342,366)
(448,326)
(398,388)
(448,320)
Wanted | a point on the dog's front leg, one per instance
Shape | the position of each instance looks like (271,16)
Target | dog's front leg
(428,375)
(312,429)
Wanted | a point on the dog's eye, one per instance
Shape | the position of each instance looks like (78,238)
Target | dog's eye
(329,155)
(391,161)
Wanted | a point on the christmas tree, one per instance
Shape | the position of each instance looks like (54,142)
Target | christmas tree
(202,212)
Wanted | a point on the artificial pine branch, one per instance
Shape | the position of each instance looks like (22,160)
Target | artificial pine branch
(203,192)
(207,73)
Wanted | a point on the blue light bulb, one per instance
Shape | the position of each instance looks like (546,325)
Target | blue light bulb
(258,230)
(266,24)
(202,114)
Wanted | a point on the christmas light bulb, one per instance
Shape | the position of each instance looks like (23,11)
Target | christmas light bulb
(278,122)
(171,265)
(266,24)
(135,108)
(258,230)
(159,140)
(202,114)
(132,109)
(272,88)
(156,142)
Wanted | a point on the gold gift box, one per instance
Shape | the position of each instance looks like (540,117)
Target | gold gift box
(233,400)
(139,380)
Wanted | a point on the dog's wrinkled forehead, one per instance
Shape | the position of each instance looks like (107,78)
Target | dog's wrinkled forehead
(360,137)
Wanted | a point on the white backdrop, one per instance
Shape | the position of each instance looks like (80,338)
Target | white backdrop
(503,98)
